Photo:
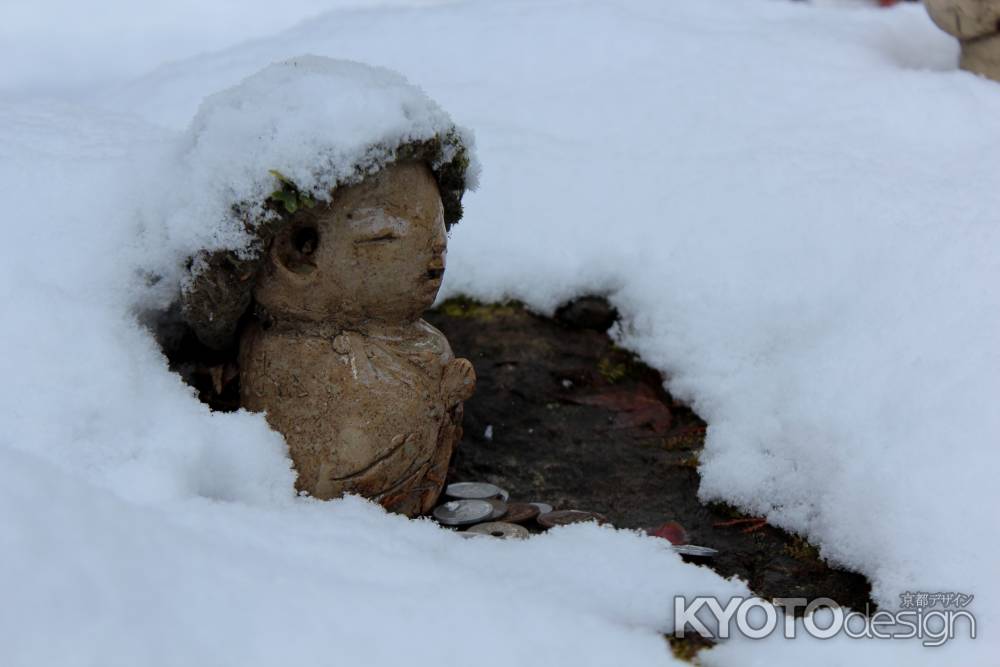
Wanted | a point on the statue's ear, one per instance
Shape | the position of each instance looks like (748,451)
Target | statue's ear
(294,248)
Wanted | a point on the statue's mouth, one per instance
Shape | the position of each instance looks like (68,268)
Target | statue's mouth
(435,268)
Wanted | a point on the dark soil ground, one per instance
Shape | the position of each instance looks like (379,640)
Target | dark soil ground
(581,424)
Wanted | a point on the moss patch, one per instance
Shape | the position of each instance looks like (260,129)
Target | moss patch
(466,308)
(800,549)
(686,648)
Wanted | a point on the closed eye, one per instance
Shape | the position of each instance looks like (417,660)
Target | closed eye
(381,238)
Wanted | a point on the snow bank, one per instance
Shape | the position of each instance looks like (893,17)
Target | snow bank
(88,391)
(794,207)
(91,579)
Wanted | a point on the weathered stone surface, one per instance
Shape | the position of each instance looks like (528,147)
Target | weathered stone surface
(982,56)
(976,24)
(367,395)
(965,19)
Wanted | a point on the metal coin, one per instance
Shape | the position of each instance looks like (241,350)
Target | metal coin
(520,512)
(543,508)
(501,529)
(468,534)
(477,490)
(694,551)
(566,517)
(463,512)
(499,508)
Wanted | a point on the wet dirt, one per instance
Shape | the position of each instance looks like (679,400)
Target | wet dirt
(562,415)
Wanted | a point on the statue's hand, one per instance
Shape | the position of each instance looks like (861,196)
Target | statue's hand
(458,381)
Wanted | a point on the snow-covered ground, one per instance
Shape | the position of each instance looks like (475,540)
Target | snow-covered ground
(794,206)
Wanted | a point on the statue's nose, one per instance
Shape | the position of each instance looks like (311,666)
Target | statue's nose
(439,247)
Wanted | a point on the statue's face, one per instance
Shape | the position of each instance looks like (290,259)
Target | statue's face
(376,253)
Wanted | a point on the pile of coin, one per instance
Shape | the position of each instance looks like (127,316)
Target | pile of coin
(484,510)
(480,506)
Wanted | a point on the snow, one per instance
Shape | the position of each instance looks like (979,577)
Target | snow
(67,47)
(793,206)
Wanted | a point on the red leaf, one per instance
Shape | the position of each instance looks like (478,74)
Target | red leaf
(672,532)
(634,408)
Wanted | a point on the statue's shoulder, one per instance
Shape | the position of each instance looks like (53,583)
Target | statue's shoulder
(427,337)
(418,345)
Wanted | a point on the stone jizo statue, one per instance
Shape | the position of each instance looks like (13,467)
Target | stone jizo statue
(976,24)
(367,394)
(331,344)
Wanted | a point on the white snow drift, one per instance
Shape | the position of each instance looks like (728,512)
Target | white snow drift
(793,206)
